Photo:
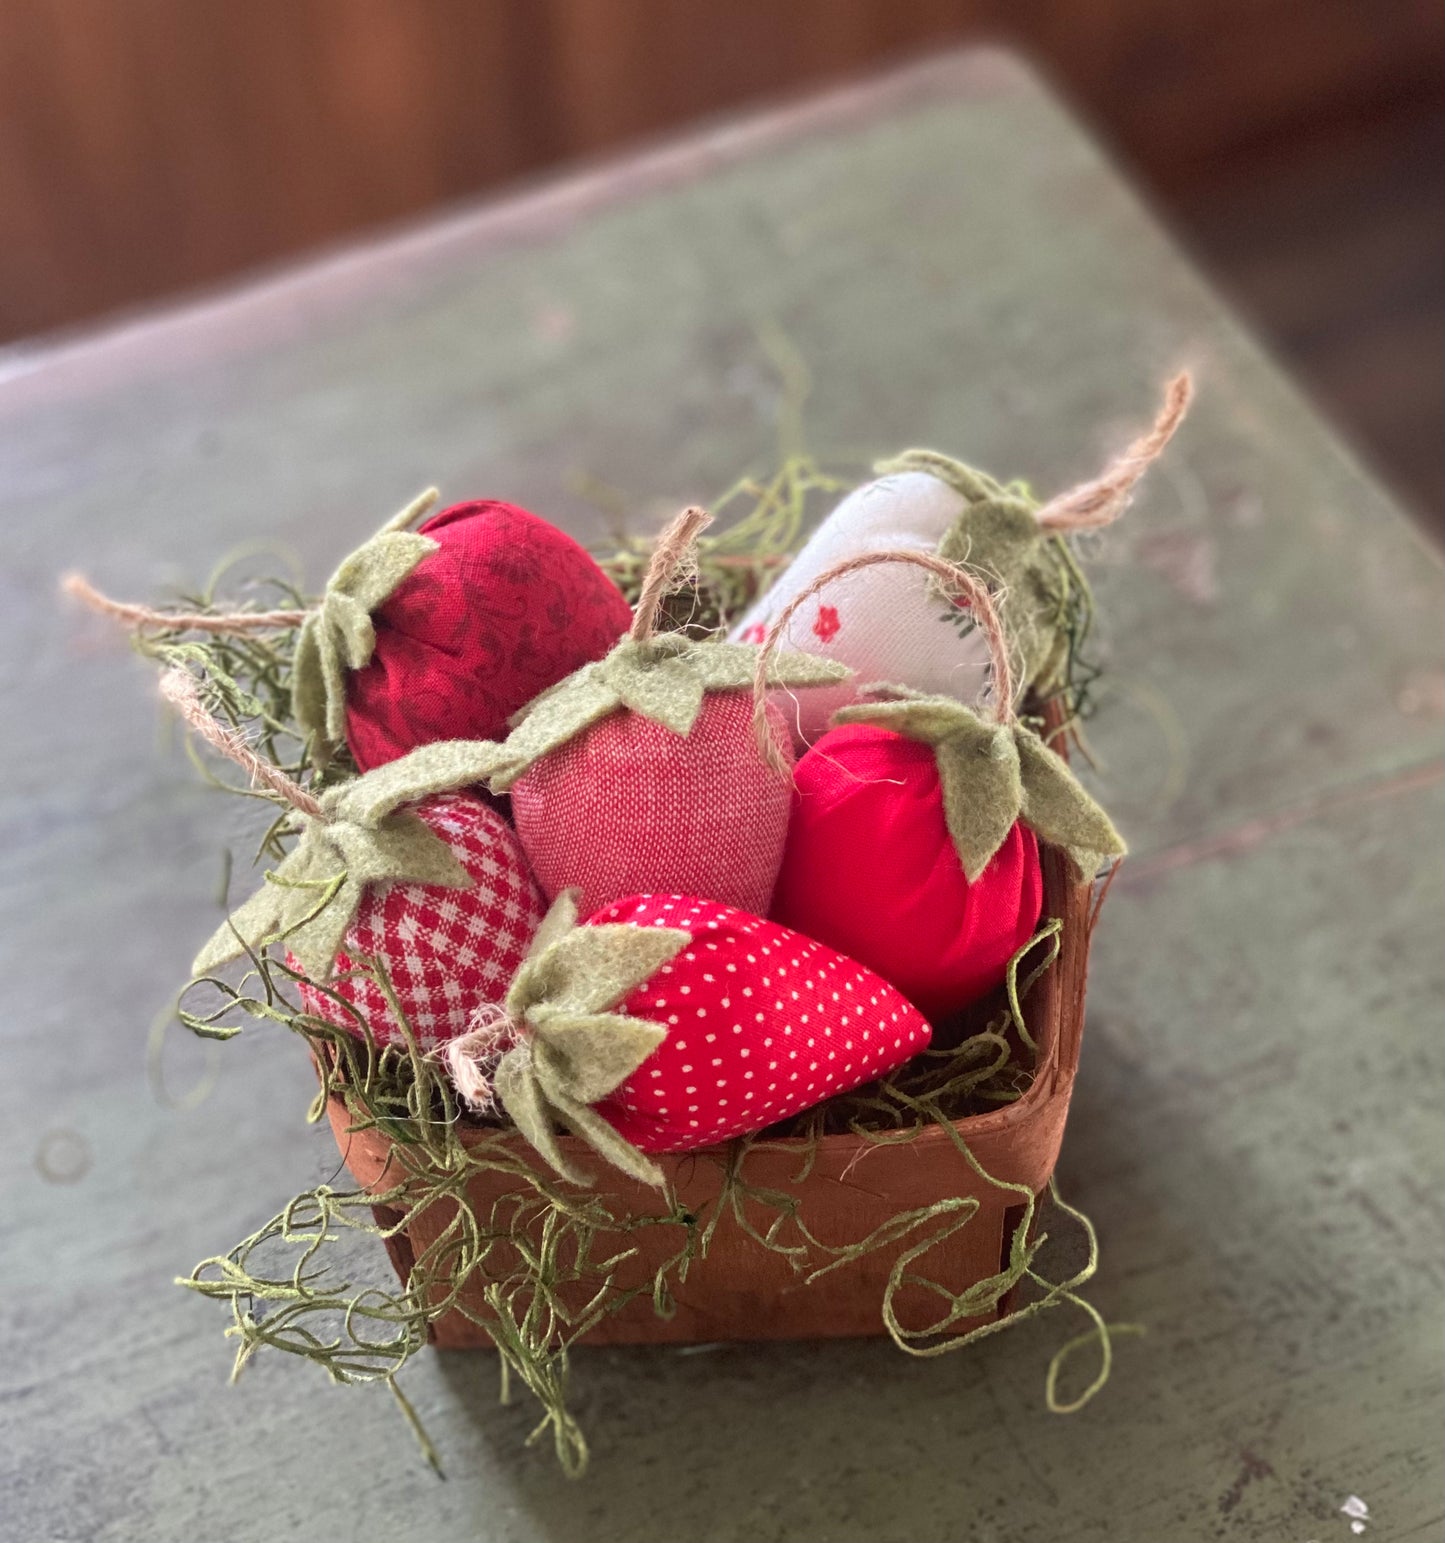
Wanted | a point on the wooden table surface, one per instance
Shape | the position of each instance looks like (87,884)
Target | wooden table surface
(1257,1126)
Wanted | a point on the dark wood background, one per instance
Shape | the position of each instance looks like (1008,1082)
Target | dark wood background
(151,146)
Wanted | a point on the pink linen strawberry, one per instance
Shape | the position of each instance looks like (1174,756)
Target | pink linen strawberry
(397,872)
(641,772)
(666,1022)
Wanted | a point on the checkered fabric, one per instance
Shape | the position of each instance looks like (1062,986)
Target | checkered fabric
(446,952)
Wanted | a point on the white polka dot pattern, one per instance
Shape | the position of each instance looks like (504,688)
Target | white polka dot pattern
(447,952)
(762,1024)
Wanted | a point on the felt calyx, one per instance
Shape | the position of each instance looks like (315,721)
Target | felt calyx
(340,635)
(663,678)
(993,775)
(1034,579)
(361,835)
(574,1048)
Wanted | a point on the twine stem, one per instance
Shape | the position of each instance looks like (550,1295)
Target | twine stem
(78,587)
(670,560)
(179,688)
(1092,505)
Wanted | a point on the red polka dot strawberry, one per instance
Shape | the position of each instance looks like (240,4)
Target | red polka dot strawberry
(640,772)
(666,1023)
(400,887)
(912,845)
(444,632)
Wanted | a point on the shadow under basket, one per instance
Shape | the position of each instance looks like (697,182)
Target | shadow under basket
(741,1290)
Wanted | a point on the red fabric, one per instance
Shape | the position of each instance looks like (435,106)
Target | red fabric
(628,807)
(762,1024)
(508,606)
(446,951)
(870,869)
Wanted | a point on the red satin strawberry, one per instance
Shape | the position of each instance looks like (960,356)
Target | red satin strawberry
(444,632)
(870,868)
(667,1022)
(912,844)
(429,887)
(641,772)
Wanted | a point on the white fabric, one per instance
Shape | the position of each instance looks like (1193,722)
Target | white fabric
(886,623)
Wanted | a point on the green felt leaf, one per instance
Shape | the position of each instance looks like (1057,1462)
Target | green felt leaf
(663,678)
(976,486)
(731,667)
(311,899)
(520,1093)
(591,969)
(574,1051)
(606,1142)
(558,715)
(256,920)
(982,795)
(442,767)
(586,1055)
(929,719)
(978,769)
(1060,811)
(990,776)
(663,686)
(308,686)
(560,919)
(339,635)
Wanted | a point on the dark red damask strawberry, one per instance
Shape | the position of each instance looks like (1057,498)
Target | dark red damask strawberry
(446,631)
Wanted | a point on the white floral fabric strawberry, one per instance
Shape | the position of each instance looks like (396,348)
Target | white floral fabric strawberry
(446,951)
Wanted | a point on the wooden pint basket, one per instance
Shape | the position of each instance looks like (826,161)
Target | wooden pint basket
(740,1290)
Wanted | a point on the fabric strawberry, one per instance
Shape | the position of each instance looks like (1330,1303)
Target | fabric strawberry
(444,632)
(641,773)
(666,1023)
(397,871)
(912,843)
(885,626)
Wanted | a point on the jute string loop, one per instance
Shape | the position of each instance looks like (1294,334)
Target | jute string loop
(137,617)
(1099,502)
(957,581)
(672,560)
(179,688)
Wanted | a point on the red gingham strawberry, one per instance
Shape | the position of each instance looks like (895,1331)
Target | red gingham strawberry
(667,1022)
(446,952)
(399,870)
